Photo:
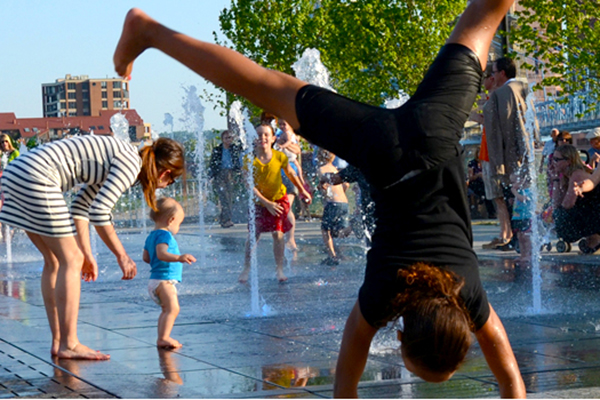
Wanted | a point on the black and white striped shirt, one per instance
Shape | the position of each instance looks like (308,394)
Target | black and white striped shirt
(105,165)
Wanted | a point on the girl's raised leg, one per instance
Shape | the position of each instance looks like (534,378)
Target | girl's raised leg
(270,90)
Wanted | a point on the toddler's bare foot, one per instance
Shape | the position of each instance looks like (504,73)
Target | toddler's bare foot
(81,352)
(169,343)
(133,40)
(281,277)
(243,278)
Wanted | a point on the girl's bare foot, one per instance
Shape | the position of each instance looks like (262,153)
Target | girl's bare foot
(133,41)
(169,343)
(81,352)
(243,278)
(280,276)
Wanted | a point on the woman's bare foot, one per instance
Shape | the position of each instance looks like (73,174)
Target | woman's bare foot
(133,41)
(243,278)
(280,276)
(169,343)
(55,347)
(81,352)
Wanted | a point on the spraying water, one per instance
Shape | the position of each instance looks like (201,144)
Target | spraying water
(120,127)
(193,121)
(22,148)
(247,135)
(536,238)
(310,69)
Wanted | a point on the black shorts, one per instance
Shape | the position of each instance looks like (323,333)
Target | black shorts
(386,144)
(335,218)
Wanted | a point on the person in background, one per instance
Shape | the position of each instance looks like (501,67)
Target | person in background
(575,200)
(335,221)
(523,213)
(548,149)
(8,153)
(287,143)
(594,150)
(224,169)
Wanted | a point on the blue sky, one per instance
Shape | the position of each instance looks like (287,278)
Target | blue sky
(44,40)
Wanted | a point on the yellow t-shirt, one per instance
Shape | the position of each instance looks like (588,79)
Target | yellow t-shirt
(267,177)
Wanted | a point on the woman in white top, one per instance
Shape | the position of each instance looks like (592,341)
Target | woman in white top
(33,187)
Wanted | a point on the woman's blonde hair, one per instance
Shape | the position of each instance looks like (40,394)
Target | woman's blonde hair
(164,154)
(569,152)
(10,140)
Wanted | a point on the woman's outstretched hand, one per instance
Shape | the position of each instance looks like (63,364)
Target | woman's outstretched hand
(89,270)
(127,266)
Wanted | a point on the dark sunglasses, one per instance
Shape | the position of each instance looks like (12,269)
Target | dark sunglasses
(557,159)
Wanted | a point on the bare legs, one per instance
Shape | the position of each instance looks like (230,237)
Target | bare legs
(291,234)
(504,219)
(167,293)
(270,90)
(61,289)
(278,252)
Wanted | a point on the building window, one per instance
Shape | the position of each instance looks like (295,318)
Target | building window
(116,85)
(85,86)
(116,94)
(125,104)
(104,94)
(72,113)
(117,104)
(124,85)
(72,104)
(71,86)
(104,104)
(72,95)
(103,84)
(51,107)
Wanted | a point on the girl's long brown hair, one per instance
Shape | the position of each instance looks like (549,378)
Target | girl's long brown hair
(164,154)
(437,326)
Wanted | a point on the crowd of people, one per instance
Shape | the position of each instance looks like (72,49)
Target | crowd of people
(421,275)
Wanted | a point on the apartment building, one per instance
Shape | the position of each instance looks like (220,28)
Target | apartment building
(78,96)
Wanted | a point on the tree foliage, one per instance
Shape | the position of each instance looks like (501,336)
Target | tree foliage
(563,35)
(372,48)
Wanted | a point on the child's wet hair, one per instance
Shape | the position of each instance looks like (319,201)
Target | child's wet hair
(437,325)
(166,207)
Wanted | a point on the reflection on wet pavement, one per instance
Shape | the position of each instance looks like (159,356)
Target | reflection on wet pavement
(293,351)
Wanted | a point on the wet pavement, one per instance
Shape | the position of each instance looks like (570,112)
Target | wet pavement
(291,349)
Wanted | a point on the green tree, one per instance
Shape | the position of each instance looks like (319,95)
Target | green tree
(372,48)
(563,35)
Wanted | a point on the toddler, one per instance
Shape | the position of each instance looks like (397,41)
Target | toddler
(162,253)
(522,214)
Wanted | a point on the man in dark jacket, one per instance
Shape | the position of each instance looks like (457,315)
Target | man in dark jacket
(225,164)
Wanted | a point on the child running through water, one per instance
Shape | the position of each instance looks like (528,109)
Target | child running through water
(522,213)
(421,265)
(335,222)
(273,205)
(162,253)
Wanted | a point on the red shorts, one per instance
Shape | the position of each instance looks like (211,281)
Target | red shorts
(267,222)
